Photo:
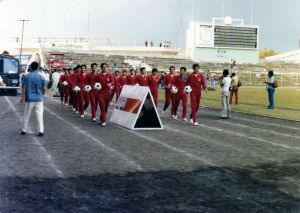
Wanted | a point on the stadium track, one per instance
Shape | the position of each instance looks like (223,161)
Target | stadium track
(246,164)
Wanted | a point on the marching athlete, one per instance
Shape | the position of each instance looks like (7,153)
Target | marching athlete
(131,79)
(117,84)
(123,80)
(106,80)
(64,88)
(180,83)
(70,84)
(73,77)
(90,80)
(169,97)
(196,81)
(153,81)
(142,78)
(84,98)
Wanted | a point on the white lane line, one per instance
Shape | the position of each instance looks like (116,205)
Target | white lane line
(217,143)
(195,157)
(86,134)
(245,136)
(49,159)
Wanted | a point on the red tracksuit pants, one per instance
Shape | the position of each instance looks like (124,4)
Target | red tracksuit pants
(84,101)
(154,93)
(184,98)
(234,91)
(195,102)
(169,97)
(94,102)
(117,92)
(104,99)
(65,94)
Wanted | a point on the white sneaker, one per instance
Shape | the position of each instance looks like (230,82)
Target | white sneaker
(103,124)
(82,116)
(94,119)
(175,117)
(66,104)
(191,121)
(196,124)
(172,116)
(74,109)
(184,119)
(77,112)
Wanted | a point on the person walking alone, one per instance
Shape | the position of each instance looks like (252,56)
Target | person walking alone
(33,89)
(225,84)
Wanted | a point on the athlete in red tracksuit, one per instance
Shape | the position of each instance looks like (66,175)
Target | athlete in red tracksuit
(123,80)
(180,83)
(106,80)
(195,80)
(64,89)
(153,81)
(84,97)
(131,79)
(90,80)
(169,97)
(117,83)
(142,78)
(70,82)
(75,95)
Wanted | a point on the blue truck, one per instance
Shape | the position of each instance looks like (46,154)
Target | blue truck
(10,74)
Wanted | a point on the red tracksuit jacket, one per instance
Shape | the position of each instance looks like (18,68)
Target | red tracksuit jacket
(196,82)
(131,80)
(142,80)
(104,80)
(168,80)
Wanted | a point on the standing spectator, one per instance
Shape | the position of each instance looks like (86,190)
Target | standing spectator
(151,43)
(146,43)
(216,80)
(33,88)
(160,44)
(225,84)
(161,80)
(271,90)
(71,63)
(235,89)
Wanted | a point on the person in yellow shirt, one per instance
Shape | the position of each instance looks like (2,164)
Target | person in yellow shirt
(234,89)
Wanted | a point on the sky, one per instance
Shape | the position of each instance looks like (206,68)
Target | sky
(128,21)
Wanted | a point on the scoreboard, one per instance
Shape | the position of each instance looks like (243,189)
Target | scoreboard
(223,36)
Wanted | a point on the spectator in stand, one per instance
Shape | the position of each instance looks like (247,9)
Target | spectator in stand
(225,82)
(234,89)
(271,89)
(160,44)
(146,43)
(151,43)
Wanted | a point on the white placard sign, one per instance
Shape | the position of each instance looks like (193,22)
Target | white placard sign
(136,110)
(205,36)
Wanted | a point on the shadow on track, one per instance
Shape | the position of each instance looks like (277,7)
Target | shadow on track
(205,190)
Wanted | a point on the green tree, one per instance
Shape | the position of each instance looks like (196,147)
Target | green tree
(5,52)
(266,53)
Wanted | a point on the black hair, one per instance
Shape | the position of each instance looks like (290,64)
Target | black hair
(271,72)
(34,65)
(154,70)
(226,72)
(63,69)
(172,67)
(124,71)
(195,65)
(142,68)
(131,70)
(70,69)
(93,64)
(83,66)
(103,64)
(233,74)
(183,68)
(117,71)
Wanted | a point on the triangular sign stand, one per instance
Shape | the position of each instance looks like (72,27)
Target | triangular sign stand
(136,110)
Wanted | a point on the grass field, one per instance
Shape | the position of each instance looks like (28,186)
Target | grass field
(254,100)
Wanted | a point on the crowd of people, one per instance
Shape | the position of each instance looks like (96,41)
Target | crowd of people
(80,89)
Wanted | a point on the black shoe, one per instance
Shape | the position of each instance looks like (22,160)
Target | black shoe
(23,133)
(41,134)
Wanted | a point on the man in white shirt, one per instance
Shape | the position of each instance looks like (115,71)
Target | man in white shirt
(225,85)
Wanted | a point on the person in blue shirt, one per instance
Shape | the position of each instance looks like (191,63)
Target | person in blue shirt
(271,89)
(33,89)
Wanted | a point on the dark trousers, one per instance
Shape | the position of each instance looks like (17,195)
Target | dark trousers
(271,92)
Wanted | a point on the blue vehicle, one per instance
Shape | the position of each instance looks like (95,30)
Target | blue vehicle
(10,73)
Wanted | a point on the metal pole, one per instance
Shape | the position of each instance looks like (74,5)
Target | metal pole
(23,23)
